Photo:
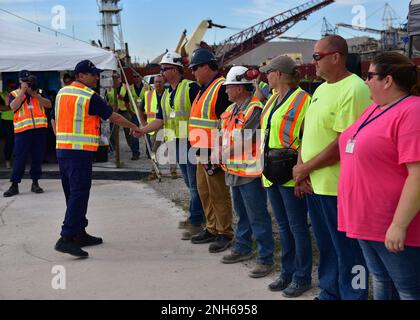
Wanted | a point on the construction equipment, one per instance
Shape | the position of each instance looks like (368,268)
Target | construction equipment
(255,36)
(391,39)
(186,46)
(327,28)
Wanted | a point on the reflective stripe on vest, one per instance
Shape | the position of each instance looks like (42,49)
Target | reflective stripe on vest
(288,124)
(176,117)
(248,163)
(203,119)
(76,129)
(27,119)
(150,107)
(285,123)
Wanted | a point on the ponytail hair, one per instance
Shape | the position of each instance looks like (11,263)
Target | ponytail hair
(293,79)
(405,73)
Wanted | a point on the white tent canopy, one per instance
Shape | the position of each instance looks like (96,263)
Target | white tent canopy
(22,49)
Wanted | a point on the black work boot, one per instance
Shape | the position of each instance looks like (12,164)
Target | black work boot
(36,188)
(221,244)
(84,239)
(67,245)
(13,190)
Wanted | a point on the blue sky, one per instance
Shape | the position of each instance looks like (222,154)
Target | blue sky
(152,26)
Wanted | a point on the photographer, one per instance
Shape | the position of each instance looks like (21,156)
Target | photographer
(30,125)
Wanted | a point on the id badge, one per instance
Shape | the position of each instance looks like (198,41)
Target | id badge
(30,106)
(172,115)
(350,146)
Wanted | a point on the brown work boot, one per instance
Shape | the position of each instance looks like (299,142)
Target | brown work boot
(184,224)
(261,270)
(192,230)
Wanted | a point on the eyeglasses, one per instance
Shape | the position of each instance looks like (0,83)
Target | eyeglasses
(318,55)
(370,75)
(136,77)
(163,69)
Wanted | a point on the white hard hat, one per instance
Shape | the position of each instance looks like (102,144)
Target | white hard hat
(172,58)
(236,75)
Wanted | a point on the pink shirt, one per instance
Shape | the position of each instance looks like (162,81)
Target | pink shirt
(372,178)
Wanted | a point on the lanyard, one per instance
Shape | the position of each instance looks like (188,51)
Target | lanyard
(367,121)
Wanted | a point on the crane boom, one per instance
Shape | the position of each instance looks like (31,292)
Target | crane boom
(350,26)
(257,35)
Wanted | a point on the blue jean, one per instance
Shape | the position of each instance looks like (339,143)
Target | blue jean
(189,170)
(296,247)
(337,253)
(250,204)
(76,179)
(395,275)
(135,144)
(31,142)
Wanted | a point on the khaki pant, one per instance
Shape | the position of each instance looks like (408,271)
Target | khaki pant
(217,204)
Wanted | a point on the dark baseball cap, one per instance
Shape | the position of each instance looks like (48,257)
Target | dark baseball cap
(86,66)
(280,63)
(24,75)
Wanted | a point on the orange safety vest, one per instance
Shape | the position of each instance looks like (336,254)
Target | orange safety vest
(203,120)
(244,162)
(27,119)
(150,105)
(76,129)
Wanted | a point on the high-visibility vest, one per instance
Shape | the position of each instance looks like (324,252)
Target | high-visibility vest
(120,102)
(150,106)
(76,129)
(136,97)
(285,122)
(247,162)
(203,119)
(6,115)
(176,116)
(27,119)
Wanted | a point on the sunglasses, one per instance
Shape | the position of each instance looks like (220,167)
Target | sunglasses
(136,77)
(318,55)
(370,75)
(163,69)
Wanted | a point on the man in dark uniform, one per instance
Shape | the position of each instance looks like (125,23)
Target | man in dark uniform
(78,111)
(30,127)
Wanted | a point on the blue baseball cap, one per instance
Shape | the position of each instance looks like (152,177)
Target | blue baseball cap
(86,66)
(24,75)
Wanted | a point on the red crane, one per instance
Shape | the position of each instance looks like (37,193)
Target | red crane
(257,35)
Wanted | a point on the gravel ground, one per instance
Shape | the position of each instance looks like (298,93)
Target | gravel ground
(177,192)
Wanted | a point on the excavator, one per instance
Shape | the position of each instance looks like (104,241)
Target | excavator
(186,46)
(250,38)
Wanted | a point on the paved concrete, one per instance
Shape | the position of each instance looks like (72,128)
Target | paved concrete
(142,256)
